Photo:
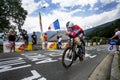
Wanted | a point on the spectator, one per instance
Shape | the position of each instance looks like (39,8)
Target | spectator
(34,38)
(25,38)
(101,41)
(17,38)
(117,34)
(12,39)
(45,40)
(59,39)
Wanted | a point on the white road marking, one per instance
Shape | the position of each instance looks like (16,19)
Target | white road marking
(35,57)
(12,62)
(9,68)
(36,75)
(14,58)
(42,79)
(46,61)
(89,55)
(39,58)
(9,64)
(55,54)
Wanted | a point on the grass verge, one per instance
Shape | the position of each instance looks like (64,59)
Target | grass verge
(119,61)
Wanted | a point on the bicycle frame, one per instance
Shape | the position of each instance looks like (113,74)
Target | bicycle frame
(73,45)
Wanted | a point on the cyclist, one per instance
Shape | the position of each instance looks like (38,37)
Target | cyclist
(117,34)
(76,32)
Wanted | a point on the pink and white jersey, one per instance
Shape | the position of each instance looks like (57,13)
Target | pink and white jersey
(118,34)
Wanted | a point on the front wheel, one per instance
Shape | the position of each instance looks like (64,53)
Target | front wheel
(68,57)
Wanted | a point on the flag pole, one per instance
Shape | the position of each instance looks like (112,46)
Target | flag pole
(40,20)
(41,29)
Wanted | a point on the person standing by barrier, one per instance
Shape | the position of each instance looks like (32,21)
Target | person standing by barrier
(117,34)
(25,38)
(59,39)
(34,38)
(12,39)
(45,40)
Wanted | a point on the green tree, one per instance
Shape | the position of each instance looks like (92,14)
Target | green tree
(11,13)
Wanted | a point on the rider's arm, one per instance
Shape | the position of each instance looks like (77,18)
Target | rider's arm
(114,36)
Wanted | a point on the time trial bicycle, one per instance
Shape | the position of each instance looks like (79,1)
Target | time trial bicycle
(72,52)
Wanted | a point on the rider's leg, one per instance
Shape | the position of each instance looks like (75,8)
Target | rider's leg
(117,44)
(117,47)
(81,51)
(82,41)
(77,40)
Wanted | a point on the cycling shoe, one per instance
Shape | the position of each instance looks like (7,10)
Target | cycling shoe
(81,57)
(75,58)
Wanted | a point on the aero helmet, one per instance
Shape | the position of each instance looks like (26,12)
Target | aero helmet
(69,24)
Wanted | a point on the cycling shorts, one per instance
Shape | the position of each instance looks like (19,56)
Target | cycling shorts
(12,43)
(60,43)
(118,42)
(45,42)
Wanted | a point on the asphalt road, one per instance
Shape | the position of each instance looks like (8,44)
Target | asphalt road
(46,65)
